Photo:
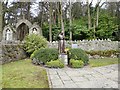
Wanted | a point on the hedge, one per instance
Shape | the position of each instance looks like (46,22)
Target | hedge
(76,63)
(78,54)
(55,64)
(45,55)
(34,42)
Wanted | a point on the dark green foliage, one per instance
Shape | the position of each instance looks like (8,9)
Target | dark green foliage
(106,53)
(108,20)
(55,32)
(76,63)
(34,42)
(45,54)
(106,27)
(78,54)
(55,64)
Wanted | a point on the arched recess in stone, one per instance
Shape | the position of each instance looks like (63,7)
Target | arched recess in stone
(22,28)
(28,23)
(37,28)
(11,30)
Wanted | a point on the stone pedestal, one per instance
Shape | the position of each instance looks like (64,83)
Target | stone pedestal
(64,58)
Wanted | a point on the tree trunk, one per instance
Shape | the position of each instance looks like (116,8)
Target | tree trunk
(89,17)
(4,8)
(70,18)
(42,18)
(50,22)
(62,23)
(94,28)
(28,11)
(58,14)
(118,19)
(97,16)
(1,19)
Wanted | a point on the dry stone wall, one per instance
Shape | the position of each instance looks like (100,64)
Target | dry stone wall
(88,45)
(93,46)
(11,52)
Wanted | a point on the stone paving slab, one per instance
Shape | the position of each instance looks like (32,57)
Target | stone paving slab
(98,77)
(65,78)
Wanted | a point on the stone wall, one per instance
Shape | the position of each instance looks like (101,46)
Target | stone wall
(93,45)
(88,45)
(11,52)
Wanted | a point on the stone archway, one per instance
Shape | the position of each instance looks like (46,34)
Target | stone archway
(22,28)
(37,27)
(5,34)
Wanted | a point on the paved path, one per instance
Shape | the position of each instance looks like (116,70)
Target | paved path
(98,77)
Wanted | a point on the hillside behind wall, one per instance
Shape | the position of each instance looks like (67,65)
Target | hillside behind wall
(88,45)
(11,52)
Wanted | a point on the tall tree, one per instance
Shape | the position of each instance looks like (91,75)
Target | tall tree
(61,17)
(89,16)
(118,20)
(1,18)
(50,21)
(96,17)
(28,7)
(4,12)
(70,18)
(98,2)
(58,13)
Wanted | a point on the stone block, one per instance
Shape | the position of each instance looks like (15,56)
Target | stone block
(64,58)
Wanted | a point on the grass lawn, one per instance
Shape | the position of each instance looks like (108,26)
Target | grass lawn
(103,62)
(23,74)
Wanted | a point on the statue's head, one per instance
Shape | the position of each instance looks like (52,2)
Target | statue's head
(62,33)
(34,29)
(7,30)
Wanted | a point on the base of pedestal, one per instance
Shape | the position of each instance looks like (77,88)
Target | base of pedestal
(64,58)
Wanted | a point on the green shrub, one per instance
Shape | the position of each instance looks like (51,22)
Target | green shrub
(106,53)
(45,54)
(34,42)
(78,54)
(76,63)
(55,64)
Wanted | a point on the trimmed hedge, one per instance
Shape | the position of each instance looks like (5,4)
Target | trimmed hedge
(45,55)
(106,53)
(78,54)
(76,63)
(34,42)
(55,64)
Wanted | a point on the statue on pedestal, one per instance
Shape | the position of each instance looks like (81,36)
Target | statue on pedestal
(61,44)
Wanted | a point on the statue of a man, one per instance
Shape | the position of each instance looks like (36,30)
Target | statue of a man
(61,45)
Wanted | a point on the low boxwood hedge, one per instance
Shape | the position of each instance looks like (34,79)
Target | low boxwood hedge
(78,54)
(55,64)
(76,63)
(105,53)
(45,55)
